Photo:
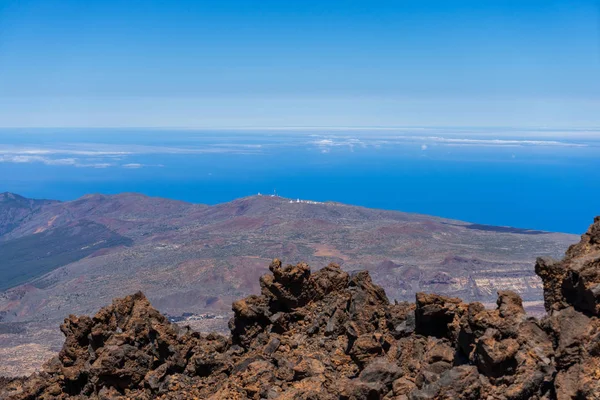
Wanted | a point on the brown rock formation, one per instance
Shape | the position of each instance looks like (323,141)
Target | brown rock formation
(328,335)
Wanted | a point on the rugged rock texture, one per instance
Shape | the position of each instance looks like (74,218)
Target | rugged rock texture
(572,297)
(329,335)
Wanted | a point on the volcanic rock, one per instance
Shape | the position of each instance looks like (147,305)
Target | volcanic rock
(329,335)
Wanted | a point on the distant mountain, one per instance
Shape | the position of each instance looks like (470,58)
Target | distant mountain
(69,257)
(15,209)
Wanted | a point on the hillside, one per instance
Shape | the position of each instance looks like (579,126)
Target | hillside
(15,210)
(193,260)
(335,336)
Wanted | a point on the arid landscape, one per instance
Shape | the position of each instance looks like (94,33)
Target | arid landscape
(330,335)
(193,261)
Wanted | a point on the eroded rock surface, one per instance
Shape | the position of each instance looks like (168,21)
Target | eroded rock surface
(329,335)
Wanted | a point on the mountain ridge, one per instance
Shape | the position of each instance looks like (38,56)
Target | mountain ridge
(259,197)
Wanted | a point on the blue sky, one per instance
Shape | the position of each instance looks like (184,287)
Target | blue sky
(299,63)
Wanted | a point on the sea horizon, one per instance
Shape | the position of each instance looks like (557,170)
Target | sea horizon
(502,177)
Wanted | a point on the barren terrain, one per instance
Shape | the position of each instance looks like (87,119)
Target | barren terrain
(189,258)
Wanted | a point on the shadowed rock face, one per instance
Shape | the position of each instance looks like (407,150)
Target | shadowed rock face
(329,335)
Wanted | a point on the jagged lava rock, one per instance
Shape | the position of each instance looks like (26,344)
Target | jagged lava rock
(329,335)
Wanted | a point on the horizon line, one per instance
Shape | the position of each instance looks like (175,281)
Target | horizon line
(318,127)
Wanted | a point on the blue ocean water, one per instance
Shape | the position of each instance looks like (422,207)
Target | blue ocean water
(537,179)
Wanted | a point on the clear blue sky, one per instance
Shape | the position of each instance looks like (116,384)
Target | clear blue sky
(299,63)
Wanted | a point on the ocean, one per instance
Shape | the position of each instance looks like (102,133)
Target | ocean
(526,178)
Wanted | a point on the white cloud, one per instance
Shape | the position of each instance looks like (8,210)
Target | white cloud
(102,155)
(462,141)
(115,151)
(96,165)
(373,140)
(138,165)
(97,155)
(324,142)
(57,151)
(22,159)
(503,142)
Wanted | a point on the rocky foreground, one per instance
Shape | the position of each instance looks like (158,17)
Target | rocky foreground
(328,335)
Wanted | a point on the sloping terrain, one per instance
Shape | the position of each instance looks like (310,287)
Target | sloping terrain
(31,256)
(15,210)
(193,260)
(334,336)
